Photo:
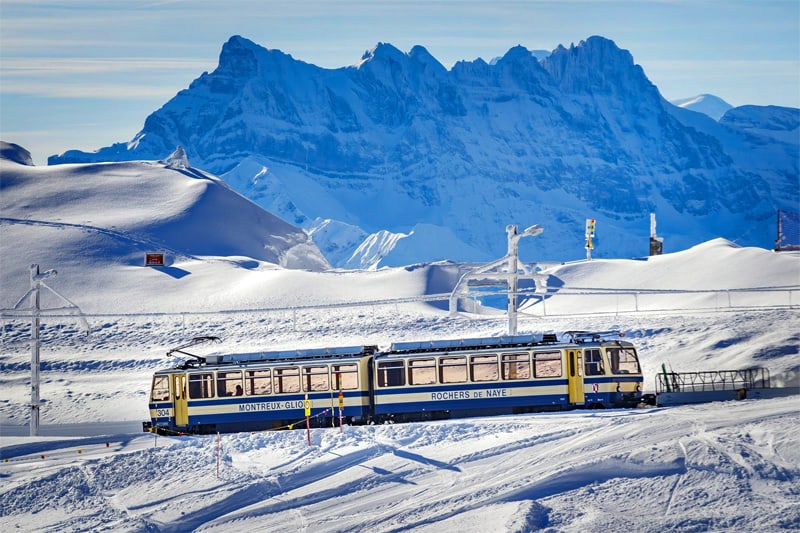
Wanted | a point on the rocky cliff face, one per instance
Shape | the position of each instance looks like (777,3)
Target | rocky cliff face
(397,159)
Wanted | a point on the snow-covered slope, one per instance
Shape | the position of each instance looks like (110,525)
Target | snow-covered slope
(96,222)
(708,104)
(719,467)
(714,265)
(779,124)
(730,466)
(16,153)
(397,143)
(725,466)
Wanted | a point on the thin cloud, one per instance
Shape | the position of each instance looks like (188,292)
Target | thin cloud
(108,91)
(727,69)
(98,77)
(59,66)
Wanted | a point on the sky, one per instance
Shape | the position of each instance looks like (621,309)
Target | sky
(84,74)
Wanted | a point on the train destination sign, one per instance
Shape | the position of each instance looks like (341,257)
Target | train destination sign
(468,395)
(270,406)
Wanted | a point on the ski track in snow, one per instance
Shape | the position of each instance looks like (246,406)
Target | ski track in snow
(124,236)
(649,470)
(729,466)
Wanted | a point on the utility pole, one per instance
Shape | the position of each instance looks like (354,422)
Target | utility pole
(513,266)
(37,282)
(504,271)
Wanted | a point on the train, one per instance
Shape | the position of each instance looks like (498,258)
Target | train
(403,382)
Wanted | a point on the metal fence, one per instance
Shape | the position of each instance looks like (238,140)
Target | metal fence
(554,303)
(565,300)
(713,380)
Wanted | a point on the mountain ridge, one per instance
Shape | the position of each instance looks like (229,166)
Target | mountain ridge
(397,144)
(708,104)
(185,212)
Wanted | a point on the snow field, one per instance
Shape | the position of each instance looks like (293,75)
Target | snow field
(724,466)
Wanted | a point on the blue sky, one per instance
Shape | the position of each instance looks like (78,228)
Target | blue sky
(82,74)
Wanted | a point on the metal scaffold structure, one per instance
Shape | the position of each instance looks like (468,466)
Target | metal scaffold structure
(35,310)
(506,269)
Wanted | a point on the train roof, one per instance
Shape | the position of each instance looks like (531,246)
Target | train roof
(397,348)
(508,341)
(501,342)
(334,353)
(580,336)
(292,355)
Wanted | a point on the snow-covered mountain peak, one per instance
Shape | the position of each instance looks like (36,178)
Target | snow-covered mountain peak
(239,57)
(239,42)
(708,104)
(383,52)
(476,69)
(419,55)
(516,53)
(400,145)
(598,65)
(16,153)
(774,118)
(116,212)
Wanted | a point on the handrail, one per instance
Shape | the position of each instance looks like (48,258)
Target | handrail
(713,380)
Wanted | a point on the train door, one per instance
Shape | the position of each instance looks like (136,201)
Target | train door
(575,376)
(181,407)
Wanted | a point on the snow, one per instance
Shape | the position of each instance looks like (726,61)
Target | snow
(727,466)
(723,467)
(401,146)
(708,104)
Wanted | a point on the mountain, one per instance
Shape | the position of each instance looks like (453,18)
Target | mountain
(397,159)
(104,217)
(708,104)
(764,123)
(16,153)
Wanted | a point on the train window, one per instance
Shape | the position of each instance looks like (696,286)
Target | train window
(391,374)
(623,360)
(315,378)
(286,379)
(547,365)
(160,391)
(257,382)
(421,371)
(483,368)
(452,369)
(593,362)
(344,377)
(229,383)
(516,366)
(201,385)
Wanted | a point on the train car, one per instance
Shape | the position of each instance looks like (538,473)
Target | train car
(256,391)
(504,375)
(405,382)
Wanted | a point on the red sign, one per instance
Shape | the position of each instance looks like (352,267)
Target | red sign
(154,259)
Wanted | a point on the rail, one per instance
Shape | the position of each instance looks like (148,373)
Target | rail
(558,301)
(712,380)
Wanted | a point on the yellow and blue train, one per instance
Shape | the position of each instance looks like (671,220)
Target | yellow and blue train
(407,381)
